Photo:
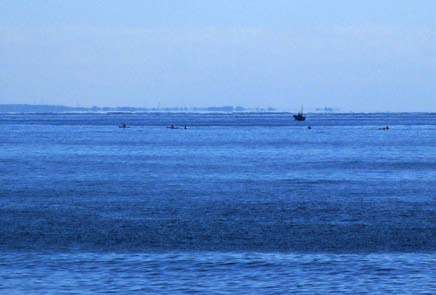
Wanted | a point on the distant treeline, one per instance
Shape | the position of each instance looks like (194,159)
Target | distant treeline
(29,108)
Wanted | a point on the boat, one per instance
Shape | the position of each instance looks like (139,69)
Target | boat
(300,116)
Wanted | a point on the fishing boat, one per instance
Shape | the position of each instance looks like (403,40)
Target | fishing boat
(300,116)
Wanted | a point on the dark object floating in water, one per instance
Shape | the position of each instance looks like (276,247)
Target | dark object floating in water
(309,127)
(384,128)
(172,126)
(300,116)
(122,125)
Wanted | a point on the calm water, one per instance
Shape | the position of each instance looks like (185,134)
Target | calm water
(242,203)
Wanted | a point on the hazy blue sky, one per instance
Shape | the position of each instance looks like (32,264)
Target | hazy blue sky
(371,55)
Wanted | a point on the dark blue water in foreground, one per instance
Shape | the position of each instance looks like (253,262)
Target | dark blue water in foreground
(242,203)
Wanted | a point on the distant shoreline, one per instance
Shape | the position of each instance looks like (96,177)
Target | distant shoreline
(29,108)
(60,109)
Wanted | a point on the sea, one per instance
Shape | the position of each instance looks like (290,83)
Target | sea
(241,203)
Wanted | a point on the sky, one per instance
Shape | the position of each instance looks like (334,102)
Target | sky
(372,55)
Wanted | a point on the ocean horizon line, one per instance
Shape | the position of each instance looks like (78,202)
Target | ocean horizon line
(63,109)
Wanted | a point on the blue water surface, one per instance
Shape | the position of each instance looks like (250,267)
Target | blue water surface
(236,203)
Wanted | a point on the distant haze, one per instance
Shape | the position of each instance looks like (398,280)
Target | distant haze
(348,55)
